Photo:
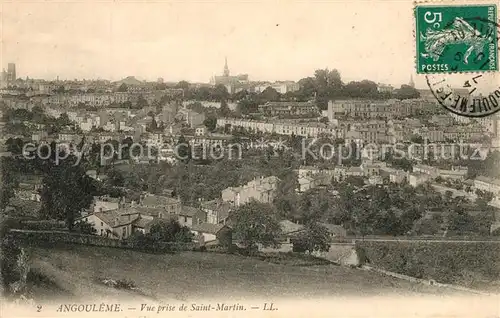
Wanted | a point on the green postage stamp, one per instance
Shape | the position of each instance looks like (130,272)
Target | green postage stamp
(456,38)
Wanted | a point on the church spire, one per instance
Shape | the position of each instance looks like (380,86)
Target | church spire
(226,69)
(411,83)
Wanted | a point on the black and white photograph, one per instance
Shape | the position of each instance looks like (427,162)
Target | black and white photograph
(274,158)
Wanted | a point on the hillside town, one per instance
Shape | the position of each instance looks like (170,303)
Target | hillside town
(92,118)
(285,169)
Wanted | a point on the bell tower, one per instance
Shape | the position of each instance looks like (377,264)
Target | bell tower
(226,69)
(411,83)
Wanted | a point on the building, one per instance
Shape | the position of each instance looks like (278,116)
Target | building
(295,109)
(260,189)
(11,72)
(164,205)
(210,141)
(341,172)
(217,211)
(385,88)
(312,177)
(190,117)
(372,168)
(416,178)
(369,132)
(470,133)
(28,188)
(487,184)
(363,108)
(281,87)
(106,203)
(456,173)
(190,216)
(290,230)
(38,136)
(393,175)
(411,83)
(233,84)
(117,224)
(212,233)
(431,171)
(281,127)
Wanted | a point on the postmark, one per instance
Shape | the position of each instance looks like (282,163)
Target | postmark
(469,94)
(456,38)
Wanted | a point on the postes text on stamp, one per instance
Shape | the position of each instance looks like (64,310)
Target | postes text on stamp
(456,38)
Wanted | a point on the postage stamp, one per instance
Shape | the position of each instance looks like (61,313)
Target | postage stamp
(456,38)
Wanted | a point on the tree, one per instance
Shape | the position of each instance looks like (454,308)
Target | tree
(270,94)
(170,231)
(8,180)
(220,93)
(123,88)
(183,149)
(84,227)
(364,89)
(460,222)
(315,237)
(66,189)
(286,197)
(256,223)
(141,102)
(211,123)
(15,145)
(183,84)
(407,92)
(314,205)
(328,85)
(115,178)
(428,226)
(224,109)
(416,139)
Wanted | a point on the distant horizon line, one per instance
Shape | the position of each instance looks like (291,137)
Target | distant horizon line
(141,79)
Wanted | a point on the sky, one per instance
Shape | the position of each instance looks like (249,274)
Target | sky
(188,40)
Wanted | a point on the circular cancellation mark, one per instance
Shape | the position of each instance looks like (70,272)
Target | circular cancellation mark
(478,94)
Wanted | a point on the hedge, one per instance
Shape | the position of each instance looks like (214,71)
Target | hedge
(464,263)
(54,238)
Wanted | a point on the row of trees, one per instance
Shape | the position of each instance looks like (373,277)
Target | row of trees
(394,210)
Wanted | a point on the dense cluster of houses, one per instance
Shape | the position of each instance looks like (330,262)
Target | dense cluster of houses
(118,219)
(367,131)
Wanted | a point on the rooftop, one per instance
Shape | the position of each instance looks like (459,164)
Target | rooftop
(488,180)
(189,211)
(207,228)
(290,227)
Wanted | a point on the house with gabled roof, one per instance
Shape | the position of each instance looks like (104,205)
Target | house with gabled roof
(208,233)
(217,211)
(190,216)
(118,224)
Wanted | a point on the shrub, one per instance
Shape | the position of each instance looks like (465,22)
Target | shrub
(84,227)
(10,251)
(314,238)
(124,284)
(42,225)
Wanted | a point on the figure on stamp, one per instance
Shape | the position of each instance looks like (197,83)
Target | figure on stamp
(460,32)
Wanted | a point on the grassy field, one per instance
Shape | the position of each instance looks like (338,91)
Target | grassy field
(195,275)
